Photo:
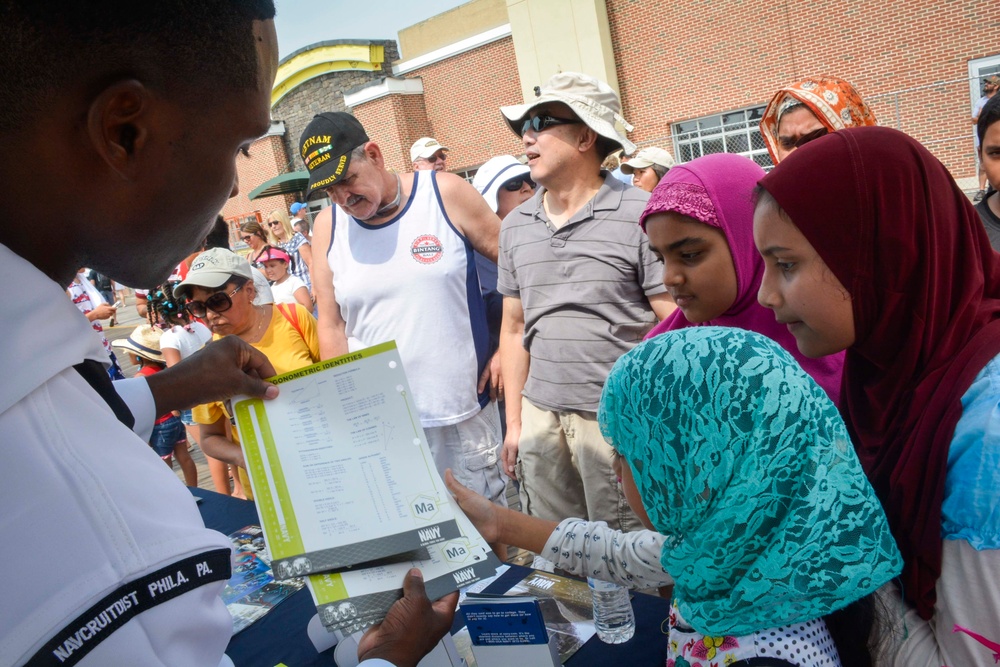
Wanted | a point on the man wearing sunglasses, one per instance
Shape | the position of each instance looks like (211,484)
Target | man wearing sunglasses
(580,287)
(427,153)
(398,265)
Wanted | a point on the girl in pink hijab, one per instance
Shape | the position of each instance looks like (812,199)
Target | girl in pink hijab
(699,220)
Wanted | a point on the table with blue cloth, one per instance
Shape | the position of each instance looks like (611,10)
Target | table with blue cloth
(280,636)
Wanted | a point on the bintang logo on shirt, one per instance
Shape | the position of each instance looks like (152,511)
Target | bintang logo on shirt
(426,249)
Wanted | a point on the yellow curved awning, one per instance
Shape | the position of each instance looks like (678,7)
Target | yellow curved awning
(322,58)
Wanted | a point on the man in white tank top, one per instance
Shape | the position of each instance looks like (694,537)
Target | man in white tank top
(396,263)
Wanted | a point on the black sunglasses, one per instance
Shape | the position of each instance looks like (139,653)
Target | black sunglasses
(219,302)
(515,184)
(539,123)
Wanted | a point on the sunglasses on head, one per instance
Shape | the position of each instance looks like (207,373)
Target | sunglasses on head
(515,184)
(219,302)
(544,122)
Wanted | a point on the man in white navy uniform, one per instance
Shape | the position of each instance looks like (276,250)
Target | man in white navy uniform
(124,118)
(396,263)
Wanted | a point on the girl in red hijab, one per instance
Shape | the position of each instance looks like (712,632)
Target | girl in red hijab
(871,247)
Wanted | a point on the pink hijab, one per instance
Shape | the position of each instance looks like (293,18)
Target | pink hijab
(717,190)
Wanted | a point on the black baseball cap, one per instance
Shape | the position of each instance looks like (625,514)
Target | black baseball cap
(326,145)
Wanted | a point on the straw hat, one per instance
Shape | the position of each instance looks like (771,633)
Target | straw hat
(144,341)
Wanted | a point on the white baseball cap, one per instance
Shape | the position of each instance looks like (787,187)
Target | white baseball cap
(425,147)
(647,157)
(494,173)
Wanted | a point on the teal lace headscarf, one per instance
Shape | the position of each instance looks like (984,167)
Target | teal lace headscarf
(745,465)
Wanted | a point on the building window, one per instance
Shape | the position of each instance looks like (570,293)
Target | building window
(979,69)
(730,132)
(468,174)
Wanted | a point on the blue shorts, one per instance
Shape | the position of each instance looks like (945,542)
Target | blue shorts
(187,419)
(166,435)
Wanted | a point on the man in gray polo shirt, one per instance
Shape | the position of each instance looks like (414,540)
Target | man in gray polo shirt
(581,288)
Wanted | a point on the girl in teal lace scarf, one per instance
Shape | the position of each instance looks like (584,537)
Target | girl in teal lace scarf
(745,466)
(765,519)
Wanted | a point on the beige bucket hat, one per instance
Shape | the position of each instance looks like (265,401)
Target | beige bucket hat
(594,102)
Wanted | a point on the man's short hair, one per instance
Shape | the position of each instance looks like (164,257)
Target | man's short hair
(219,236)
(196,45)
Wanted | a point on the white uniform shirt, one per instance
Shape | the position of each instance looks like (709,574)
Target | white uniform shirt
(88,506)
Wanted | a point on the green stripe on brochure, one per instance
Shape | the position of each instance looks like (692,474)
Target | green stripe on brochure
(328,588)
(283,537)
(333,363)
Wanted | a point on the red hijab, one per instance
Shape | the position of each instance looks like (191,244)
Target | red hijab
(890,222)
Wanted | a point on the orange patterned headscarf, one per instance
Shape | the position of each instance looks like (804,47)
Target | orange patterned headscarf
(833,101)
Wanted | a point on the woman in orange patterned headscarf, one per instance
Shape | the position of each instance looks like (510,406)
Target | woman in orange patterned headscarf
(807,110)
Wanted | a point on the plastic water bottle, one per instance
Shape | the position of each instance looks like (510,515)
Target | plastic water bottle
(613,615)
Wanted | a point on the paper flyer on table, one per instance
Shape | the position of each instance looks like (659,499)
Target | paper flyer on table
(340,467)
(251,591)
(357,598)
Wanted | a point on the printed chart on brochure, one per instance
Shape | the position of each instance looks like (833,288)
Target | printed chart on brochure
(340,466)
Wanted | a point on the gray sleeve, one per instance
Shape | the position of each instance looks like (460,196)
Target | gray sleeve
(506,272)
(591,548)
(650,268)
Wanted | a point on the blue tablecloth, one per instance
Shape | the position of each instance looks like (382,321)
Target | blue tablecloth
(280,637)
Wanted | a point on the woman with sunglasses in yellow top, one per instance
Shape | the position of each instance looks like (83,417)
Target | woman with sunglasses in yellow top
(220,290)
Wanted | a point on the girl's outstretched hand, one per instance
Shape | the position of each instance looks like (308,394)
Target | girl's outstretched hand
(485,516)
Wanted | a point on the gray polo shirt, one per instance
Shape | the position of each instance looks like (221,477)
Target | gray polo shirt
(583,288)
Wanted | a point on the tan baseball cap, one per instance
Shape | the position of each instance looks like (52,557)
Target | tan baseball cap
(214,268)
(425,147)
(647,157)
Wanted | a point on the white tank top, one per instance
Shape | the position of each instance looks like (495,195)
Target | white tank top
(413,280)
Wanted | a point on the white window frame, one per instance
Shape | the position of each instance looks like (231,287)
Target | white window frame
(979,68)
(699,136)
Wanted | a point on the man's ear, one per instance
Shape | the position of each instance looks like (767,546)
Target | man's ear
(586,139)
(118,124)
(374,154)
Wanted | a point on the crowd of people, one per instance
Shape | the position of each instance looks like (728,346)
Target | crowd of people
(775,393)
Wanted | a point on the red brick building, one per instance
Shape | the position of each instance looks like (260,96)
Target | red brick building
(909,60)
(468,124)
(693,76)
